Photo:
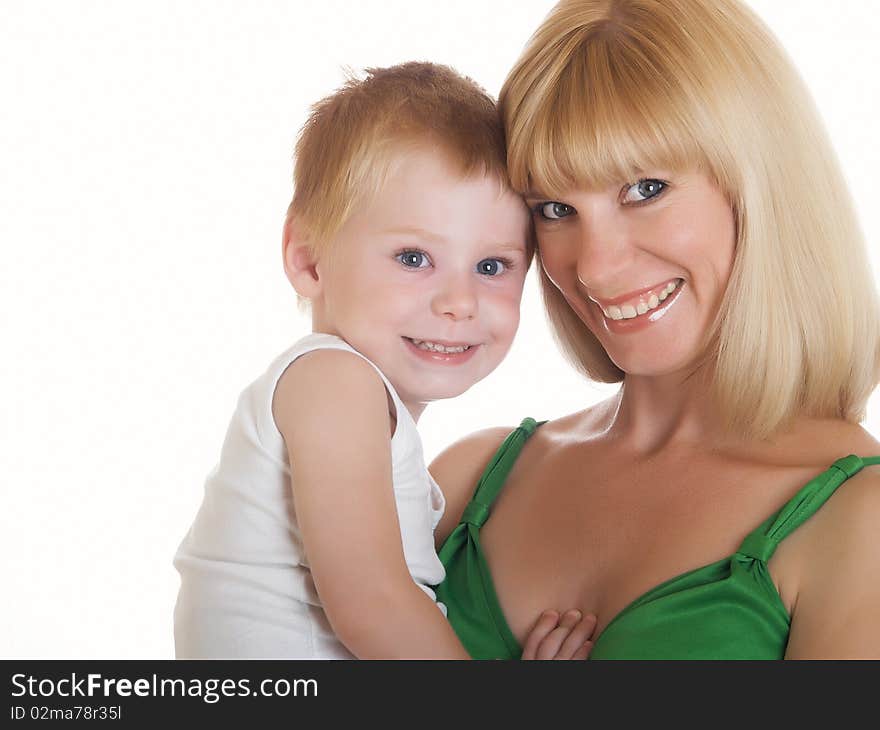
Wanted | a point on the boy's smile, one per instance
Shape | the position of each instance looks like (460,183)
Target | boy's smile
(425,278)
(440,353)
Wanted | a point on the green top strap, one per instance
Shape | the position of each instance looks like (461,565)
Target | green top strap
(477,510)
(762,543)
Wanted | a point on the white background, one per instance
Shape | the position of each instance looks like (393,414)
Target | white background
(145,150)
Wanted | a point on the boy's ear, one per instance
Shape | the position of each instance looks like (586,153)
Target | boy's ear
(300,264)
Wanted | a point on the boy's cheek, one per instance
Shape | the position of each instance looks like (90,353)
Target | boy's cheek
(518,289)
(508,317)
(506,302)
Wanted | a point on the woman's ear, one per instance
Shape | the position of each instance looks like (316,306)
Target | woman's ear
(300,263)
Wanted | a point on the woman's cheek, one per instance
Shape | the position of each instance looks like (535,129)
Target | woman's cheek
(552,268)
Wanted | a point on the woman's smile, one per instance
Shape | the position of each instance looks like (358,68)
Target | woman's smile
(636,304)
(626,318)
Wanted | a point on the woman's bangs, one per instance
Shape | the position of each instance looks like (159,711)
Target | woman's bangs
(606,123)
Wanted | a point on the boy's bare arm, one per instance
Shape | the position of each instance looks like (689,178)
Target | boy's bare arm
(332,410)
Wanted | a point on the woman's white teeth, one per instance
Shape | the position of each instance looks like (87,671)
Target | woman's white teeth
(434,347)
(628,311)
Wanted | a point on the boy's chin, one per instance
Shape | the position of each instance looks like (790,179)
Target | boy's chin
(442,392)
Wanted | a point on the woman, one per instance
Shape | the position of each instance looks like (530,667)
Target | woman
(697,245)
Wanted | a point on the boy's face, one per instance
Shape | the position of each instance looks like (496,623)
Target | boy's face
(426,278)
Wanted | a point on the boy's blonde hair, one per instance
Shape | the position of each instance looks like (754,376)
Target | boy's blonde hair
(351,137)
(608,88)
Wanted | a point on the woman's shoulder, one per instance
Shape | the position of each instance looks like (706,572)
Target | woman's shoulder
(838,560)
(835,439)
(468,457)
(460,465)
(458,468)
(812,444)
(855,500)
(858,498)
(581,426)
(848,436)
(823,446)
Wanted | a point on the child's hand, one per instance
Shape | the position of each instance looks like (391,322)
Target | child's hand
(565,637)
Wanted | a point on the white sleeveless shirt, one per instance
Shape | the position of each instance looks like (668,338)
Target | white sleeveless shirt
(246,590)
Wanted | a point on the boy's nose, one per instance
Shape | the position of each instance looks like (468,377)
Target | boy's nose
(456,300)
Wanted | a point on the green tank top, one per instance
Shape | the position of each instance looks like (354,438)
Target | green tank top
(729,609)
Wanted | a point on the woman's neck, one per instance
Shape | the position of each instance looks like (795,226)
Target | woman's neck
(676,415)
(653,413)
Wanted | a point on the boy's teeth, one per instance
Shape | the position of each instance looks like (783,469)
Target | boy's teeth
(434,347)
(630,311)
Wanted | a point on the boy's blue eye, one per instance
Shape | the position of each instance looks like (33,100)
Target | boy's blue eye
(413,259)
(491,267)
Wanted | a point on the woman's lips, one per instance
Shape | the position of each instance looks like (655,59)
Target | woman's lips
(637,323)
(637,303)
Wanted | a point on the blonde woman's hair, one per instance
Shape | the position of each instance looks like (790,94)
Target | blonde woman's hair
(351,137)
(608,88)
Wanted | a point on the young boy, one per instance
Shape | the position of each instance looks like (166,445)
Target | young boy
(315,536)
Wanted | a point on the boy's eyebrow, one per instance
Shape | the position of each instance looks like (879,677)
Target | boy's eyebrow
(509,246)
(416,231)
(436,238)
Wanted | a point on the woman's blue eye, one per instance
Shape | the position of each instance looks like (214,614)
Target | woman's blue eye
(413,259)
(643,190)
(491,267)
(554,211)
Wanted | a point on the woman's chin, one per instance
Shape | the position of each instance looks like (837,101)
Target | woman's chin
(644,365)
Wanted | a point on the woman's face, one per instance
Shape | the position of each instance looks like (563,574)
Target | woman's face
(643,264)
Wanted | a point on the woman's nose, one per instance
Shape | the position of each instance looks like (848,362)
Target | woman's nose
(603,252)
